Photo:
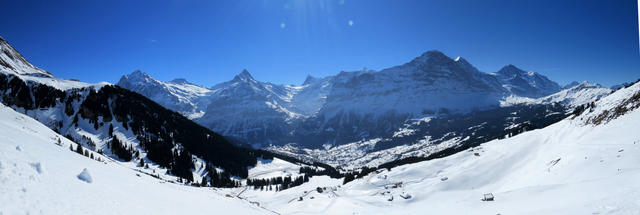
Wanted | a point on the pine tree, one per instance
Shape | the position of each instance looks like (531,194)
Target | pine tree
(110,130)
(71,147)
(75,120)
(79,149)
(141,162)
(120,149)
(348,177)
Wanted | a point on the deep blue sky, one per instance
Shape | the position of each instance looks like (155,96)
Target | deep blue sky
(281,41)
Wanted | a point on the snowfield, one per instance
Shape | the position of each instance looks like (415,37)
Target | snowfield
(39,177)
(266,169)
(571,167)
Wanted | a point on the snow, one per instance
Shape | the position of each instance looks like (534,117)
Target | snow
(572,97)
(266,169)
(39,177)
(13,63)
(566,168)
(365,100)
(85,176)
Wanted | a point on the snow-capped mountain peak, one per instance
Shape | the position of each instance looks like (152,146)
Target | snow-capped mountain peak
(511,70)
(430,58)
(430,83)
(310,79)
(570,85)
(244,76)
(180,81)
(138,77)
(178,95)
(527,84)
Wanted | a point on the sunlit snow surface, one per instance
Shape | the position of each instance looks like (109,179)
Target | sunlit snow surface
(571,167)
(39,177)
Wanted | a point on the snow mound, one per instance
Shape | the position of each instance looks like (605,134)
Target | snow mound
(85,176)
(37,167)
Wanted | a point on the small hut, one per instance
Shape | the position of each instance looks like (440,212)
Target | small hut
(488,197)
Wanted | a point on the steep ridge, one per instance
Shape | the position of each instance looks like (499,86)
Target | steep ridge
(12,60)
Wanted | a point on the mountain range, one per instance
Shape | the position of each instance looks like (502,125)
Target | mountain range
(346,107)
(121,124)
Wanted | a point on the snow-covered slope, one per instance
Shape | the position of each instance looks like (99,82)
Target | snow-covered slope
(571,167)
(274,168)
(37,176)
(178,95)
(248,109)
(13,63)
(12,60)
(572,97)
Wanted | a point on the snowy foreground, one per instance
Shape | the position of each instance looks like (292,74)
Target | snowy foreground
(39,177)
(571,167)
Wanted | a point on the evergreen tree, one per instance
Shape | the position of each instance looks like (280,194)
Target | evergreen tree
(75,120)
(120,150)
(79,149)
(348,177)
(110,130)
